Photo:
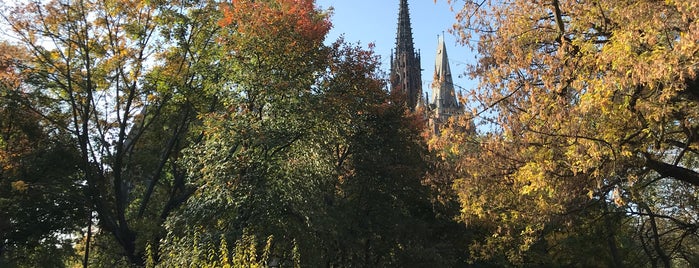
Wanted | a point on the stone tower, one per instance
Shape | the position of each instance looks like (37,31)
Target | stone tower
(444,102)
(405,62)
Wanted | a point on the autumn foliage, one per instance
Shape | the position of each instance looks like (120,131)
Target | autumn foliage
(276,18)
(206,134)
(592,109)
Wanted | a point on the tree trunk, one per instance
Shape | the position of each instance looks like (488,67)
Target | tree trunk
(87,241)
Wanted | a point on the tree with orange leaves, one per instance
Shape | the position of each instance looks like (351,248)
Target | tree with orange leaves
(593,116)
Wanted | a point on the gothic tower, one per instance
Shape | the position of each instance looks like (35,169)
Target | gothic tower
(405,62)
(444,102)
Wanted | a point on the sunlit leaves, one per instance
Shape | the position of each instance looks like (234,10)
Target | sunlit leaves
(587,97)
(259,167)
(128,97)
(279,17)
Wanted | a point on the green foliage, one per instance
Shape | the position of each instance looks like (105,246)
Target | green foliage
(126,82)
(41,202)
(184,126)
(311,151)
(246,252)
(150,256)
(256,169)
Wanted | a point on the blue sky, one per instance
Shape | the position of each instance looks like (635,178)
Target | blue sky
(368,21)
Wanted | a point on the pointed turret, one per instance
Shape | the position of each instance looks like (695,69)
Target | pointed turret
(444,100)
(404,36)
(405,62)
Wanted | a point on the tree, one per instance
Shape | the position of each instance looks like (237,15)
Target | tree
(179,128)
(41,201)
(257,170)
(383,215)
(310,150)
(592,102)
(126,81)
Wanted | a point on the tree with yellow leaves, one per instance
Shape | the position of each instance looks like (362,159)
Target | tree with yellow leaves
(594,108)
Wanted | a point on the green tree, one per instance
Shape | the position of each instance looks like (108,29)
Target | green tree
(310,150)
(127,81)
(381,209)
(41,200)
(256,170)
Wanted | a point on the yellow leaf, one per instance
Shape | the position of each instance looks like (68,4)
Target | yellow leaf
(20,186)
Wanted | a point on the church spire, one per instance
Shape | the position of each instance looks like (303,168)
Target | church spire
(444,98)
(404,36)
(405,62)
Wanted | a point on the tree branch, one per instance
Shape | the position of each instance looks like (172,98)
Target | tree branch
(559,20)
(667,170)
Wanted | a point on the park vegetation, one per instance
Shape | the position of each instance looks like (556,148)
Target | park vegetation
(205,133)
